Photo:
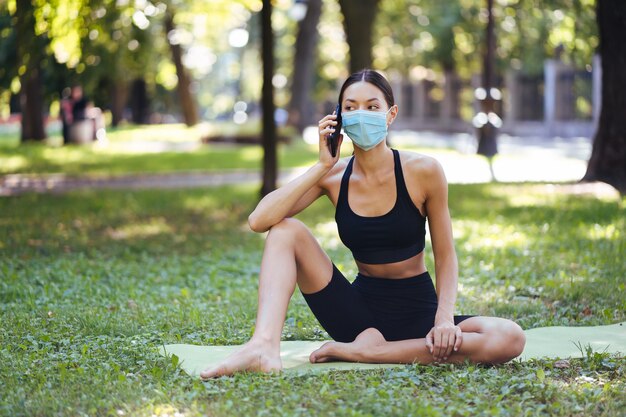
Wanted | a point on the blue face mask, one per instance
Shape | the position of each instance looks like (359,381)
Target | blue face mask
(365,128)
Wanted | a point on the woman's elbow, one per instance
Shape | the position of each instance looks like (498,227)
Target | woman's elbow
(255,224)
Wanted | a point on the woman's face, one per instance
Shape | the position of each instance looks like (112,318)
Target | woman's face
(363,96)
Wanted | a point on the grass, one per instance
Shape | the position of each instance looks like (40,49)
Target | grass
(92,283)
(143,149)
(168,149)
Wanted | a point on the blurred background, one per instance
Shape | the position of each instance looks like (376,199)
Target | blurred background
(471,75)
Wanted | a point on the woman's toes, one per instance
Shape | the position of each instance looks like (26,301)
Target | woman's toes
(213,372)
(323,354)
(249,358)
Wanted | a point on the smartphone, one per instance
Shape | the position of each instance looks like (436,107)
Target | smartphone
(333,138)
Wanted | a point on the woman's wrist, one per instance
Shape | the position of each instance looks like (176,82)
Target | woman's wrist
(323,168)
(444,314)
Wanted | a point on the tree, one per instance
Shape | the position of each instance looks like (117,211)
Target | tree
(487,133)
(359,16)
(187,101)
(8,58)
(608,156)
(304,66)
(270,168)
(30,55)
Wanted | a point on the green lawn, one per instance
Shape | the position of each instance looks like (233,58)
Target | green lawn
(144,149)
(160,149)
(92,283)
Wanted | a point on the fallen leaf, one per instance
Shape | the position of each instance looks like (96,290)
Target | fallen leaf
(563,363)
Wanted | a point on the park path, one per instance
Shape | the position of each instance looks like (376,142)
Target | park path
(520,160)
(15,184)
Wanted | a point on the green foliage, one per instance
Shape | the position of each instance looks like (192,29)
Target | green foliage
(101,42)
(92,283)
(437,34)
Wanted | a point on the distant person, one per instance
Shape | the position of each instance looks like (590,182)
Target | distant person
(67,116)
(384,198)
(76,109)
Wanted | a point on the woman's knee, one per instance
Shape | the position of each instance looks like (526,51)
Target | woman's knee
(517,339)
(287,229)
(510,341)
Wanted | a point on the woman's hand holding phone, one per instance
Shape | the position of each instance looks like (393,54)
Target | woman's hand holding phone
(330,138)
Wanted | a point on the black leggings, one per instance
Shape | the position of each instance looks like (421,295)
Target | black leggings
(399,308)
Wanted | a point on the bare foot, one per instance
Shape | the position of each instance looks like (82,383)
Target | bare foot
(253,356)
(350,352)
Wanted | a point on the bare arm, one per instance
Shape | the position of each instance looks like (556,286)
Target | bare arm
(288,200)
(445,336)
(446,266)
(298,194)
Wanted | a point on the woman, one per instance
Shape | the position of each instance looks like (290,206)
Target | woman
(392,312)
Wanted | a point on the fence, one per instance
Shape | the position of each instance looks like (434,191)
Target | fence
(563,101)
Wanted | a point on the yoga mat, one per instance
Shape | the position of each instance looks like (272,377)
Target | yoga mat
(543,342)
(563,342)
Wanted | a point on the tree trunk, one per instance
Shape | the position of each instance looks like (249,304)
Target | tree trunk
(32,106)
(30,47)
(487,143)
(301,106)
(358,22)
(119,95)
(187,101)
(139,104)
(270,168)
(608,156)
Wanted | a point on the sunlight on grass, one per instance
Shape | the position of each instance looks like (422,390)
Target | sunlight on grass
(542,194)
(153,227)
(147,133)
(67,154)
(13,163)
(251,153)
(597,232)
(527,199)
(200,203)
(478,235)
(163,410)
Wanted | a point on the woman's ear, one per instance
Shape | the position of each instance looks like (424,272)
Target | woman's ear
(393,112)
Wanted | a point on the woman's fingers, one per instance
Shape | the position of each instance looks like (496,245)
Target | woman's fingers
(459,339)
(442,342)
(438,344)
(429,340)
(327,126)
(328,122)
(449,345)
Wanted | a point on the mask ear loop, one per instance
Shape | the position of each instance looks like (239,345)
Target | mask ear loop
(393,117)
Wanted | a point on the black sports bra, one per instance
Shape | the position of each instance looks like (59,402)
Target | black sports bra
(392,237)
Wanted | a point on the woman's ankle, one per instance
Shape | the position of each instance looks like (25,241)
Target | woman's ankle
(265,342)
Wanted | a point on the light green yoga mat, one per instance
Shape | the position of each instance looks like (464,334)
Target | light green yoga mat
(551,342)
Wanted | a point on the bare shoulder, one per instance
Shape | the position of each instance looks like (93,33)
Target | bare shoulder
(422,166)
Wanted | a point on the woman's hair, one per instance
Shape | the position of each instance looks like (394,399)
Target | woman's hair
(372,77)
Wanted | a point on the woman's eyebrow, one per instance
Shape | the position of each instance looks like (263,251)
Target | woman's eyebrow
(371,99)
